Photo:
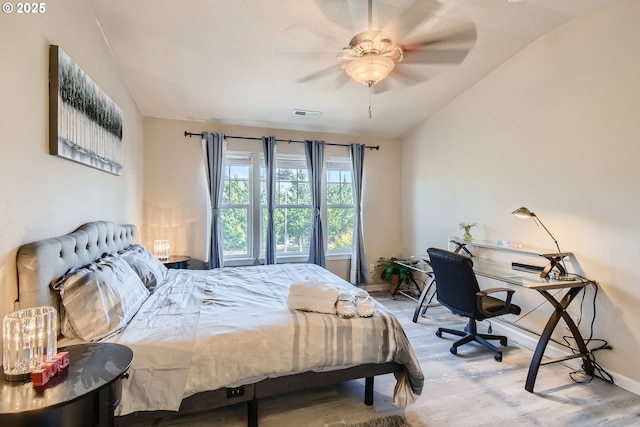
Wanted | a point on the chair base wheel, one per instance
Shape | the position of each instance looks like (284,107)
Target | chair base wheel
(503,342)
(498,357)
(453,350)
(439,333)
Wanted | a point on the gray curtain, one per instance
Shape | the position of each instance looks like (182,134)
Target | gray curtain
(215,145)
(314,151)
(358,272)
(269,148)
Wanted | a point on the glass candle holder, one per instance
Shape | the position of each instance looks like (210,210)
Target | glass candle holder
(161,249)
(29,338)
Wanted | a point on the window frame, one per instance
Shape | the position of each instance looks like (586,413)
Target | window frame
(241,158)
(255,229)
(345,165)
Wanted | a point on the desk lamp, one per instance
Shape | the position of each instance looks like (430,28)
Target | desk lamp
(526,213)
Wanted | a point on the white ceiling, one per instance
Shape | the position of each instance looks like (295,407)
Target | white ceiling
(240,62)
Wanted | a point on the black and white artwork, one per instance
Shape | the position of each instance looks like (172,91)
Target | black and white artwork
(85,124)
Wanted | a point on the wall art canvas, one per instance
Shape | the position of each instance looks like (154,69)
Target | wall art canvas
(85,124)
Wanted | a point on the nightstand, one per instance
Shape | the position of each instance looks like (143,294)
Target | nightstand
(177,261)
(86,393)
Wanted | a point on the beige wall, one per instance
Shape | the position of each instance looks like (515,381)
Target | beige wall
(41,195)
(174,191)
(555,129)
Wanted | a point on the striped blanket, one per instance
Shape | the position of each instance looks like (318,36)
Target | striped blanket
(203,330)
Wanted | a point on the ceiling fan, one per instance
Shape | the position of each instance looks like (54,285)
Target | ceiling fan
(372,55)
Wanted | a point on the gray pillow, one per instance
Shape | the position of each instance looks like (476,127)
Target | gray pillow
(100,299)
(151,271)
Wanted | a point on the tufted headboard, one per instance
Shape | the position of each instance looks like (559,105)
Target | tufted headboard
(42,262)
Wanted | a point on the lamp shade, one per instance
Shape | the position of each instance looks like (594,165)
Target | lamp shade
(523,213)
(161,249)
(28,338)
(370,69)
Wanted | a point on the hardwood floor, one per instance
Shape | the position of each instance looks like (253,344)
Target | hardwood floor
(470,389)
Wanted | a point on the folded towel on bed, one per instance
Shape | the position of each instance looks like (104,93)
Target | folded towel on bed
(313,296)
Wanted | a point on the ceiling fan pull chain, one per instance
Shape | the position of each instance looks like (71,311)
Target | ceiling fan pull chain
(370,102)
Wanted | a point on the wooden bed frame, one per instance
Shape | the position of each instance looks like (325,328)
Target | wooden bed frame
(42,262)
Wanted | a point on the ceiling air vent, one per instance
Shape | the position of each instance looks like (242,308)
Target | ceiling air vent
(305,113)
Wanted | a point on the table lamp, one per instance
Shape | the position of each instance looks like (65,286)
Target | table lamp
(28,338)
(161,249)
(555,261)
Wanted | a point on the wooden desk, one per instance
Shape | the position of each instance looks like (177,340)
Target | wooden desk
(535,281)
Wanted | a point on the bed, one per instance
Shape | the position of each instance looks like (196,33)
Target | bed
(207,338)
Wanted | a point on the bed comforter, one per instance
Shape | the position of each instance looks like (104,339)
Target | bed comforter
(204,330)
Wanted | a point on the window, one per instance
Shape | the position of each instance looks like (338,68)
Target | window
(236,205)
(340,209)
(292,216)
(244,229)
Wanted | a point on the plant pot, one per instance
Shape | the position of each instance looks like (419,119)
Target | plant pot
(395,284)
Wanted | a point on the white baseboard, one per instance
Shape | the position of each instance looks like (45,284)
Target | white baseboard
(529,340)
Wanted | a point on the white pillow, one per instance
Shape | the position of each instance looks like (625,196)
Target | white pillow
(101,298)
(151,271)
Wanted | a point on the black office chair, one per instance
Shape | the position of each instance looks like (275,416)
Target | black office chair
(458,290)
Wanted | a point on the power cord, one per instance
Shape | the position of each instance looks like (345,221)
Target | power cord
(599,371)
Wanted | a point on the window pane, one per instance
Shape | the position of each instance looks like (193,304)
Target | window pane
(293,229)
(339,228)
(292,187)
(237,185)
(235,235)
(236,204)
(339,189)
(339,206)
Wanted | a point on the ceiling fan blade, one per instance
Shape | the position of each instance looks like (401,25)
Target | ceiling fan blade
(321,73)
(406,76)
(435,56)
(399,74)
(351,15)
(419,13)
(340,80)
(464,36)
(381,87)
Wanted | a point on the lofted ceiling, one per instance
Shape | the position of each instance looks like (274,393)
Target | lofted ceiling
(252,62)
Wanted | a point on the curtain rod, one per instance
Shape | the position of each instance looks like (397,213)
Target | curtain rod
(189,134)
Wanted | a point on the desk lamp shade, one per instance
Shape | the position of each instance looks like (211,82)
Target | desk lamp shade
(523,213)
(526,213)
(28,338)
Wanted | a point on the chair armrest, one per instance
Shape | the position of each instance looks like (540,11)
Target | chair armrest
(486,292)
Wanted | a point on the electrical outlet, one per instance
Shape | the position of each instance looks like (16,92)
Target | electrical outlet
(372,267)
(235,392)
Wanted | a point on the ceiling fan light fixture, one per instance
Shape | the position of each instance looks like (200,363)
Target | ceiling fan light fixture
(369,70)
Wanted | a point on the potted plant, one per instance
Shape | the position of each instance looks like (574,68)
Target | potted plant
(395,273)
(466,227)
